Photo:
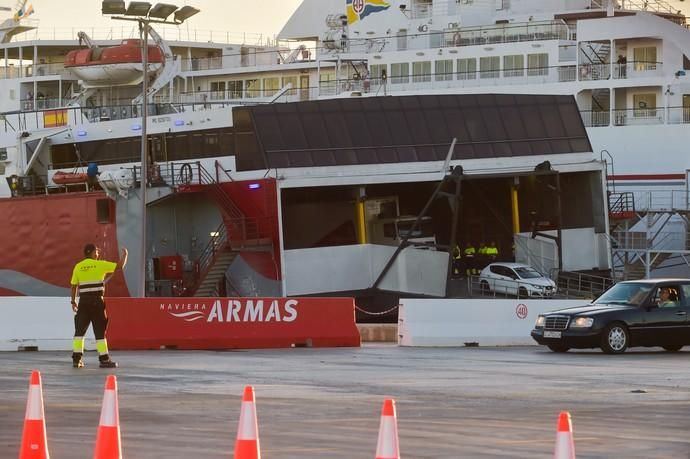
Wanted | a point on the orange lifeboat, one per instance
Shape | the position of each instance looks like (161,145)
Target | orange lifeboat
(70,178)
(121,64)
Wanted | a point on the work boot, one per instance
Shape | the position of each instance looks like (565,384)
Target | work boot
(77,361)
(105,362)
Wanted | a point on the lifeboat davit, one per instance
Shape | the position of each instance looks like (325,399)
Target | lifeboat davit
(113,65)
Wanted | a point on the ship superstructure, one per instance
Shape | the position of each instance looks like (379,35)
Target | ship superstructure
(74,104)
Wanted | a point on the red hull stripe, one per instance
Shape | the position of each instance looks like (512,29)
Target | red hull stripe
(648,177)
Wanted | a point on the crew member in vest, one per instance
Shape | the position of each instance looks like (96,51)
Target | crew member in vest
(88,280)
(492,252)
(457,262)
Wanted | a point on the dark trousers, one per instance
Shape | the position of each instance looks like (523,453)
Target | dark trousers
(91,311)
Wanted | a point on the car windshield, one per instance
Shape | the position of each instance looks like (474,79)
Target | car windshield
(527,273)
(631,294)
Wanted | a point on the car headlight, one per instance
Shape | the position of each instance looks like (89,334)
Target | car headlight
(582,322)
(540,321)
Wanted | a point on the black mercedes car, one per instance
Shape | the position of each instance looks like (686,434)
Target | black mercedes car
(651,312)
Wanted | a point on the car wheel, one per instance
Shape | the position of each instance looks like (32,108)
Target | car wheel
(484,287)
(674,348)
(558,348)
(615,339)
(523,293)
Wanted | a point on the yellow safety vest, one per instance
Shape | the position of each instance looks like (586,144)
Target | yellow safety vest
(89,274)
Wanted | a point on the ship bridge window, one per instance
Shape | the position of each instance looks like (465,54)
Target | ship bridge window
(444,70)
(400,73)
(377,70)
(235,89)
(537,64)
(252,88)
(489,67)
(3,154)
(293,81)
(514,65)
(421,72)
(271,86)
(467,69)
(217,90)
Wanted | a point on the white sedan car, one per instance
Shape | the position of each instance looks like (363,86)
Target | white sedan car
(516,279)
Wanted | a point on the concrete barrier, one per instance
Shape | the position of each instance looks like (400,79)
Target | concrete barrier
(472,322)
(47,323)
(43,323)
(231,323)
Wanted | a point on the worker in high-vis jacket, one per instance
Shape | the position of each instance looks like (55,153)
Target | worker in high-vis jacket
(88,281)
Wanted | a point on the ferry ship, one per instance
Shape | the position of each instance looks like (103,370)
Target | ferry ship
(274,164)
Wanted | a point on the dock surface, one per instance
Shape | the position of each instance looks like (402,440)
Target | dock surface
(317,403)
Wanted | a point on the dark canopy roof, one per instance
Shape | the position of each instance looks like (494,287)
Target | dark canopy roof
(376,130)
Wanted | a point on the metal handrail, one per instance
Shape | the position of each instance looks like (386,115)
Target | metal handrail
(208,256)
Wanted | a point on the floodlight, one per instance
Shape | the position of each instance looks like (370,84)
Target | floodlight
(162,10)
(138,9)
(113,7)
(185,13)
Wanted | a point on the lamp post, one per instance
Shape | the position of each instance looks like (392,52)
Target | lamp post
(145,14)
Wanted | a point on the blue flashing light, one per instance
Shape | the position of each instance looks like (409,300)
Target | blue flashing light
(136,127)
(81,133)
(179,122)
(254,186)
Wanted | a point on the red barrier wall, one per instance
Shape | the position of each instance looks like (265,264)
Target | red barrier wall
(231,323)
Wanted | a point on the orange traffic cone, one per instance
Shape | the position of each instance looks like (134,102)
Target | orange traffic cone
(108,444)
(247,443)
(565,447)
(388,446)
(34,440)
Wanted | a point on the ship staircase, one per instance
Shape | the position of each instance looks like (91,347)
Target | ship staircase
(236,233)
(649,231)
(595,61)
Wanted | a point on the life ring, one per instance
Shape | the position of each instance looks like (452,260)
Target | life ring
(186,173)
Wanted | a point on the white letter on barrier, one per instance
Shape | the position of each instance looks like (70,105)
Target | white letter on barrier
(254,312)
(234,307)
(291,313)
(216,312)
(273,312)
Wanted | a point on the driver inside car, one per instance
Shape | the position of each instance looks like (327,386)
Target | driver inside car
(668,297)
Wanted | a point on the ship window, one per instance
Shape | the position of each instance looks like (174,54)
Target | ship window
(402,39)
(444,70)
(489,67)
(513,66)
(467,69)
(235,89)
(3,154)
(400,73)
(645,58)
(252,88)
(537,64)
(644,105)
(421,71)
(293,81)
(271,86)
(217,90)
(377,71)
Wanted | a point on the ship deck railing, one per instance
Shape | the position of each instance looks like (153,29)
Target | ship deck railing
(169,33)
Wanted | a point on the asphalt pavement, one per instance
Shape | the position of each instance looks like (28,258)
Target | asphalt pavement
(326,403)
